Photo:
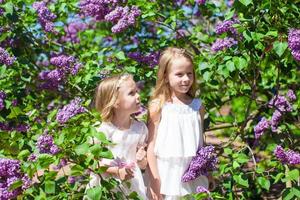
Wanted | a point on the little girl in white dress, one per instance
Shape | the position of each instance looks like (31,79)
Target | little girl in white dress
(175,127)
(117,99)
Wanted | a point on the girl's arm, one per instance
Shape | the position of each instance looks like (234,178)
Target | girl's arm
(153,121)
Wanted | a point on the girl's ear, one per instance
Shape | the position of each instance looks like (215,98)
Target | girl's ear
(116,105)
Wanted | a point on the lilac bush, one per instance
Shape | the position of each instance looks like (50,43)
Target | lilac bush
(5,58)
(45,144)
(45,16)
(294,43)
(287,157)
(222,44)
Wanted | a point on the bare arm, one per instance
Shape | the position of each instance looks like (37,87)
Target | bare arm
(202,113)
(153,121)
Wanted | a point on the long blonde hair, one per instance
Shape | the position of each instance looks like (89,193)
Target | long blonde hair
(162,91)
(106,95)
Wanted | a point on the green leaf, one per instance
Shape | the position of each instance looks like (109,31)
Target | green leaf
(246,2)
(94,193)
(120,55)
(272,33)
(280,47)
(235,165)
(293,175)
(77,170)
(264,183)
(45,160)
(230,66)
(9,8)
(82,149)
(278,177)
(50,187)
(24,153)
(239,180)
(15,185)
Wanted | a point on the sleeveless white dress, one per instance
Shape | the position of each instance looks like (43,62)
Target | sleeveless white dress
(126,143)
(179,135)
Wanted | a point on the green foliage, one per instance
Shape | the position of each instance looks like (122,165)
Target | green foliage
(243,78)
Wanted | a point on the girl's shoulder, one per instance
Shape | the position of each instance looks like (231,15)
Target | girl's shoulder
(139,126)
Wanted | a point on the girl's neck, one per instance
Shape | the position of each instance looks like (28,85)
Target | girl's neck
(121,121)
(180,97)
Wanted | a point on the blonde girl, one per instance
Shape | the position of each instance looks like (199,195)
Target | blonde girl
(175,127)
(117,99)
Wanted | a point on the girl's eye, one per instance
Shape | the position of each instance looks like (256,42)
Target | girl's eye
(132,93)
(179,74)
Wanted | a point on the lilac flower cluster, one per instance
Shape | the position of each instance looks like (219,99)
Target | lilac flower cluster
(294,43)
(2,98)
(5,58)
(45,16)
(201,189)
(221,44)
(32,157)
(72,31)
(96,8)
(200,2)
(287,157)
(281,105)
(46,144)
(200,164)
(10,172)
(261,127)
(70,110)
(226,26)
(65,65)
(19,128)
(123,17)
(150,59)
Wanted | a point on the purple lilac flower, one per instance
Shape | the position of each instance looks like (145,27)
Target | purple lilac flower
(280,103)
(291,95)
(45,144)
(226,26)
(201,189)
(287,157)
(22,128)
(96,8)
(2,98)
(150,59)
(276,117)
(222,44)
(70,110)
(126,19)
(45,16)
(14,102)
(200,2)
(32,157)
(71,179)
(72,31)
(261,127)
(200,164)
(294,43)
(116,14)
(5,58)
(180,33)
(5,127)
(1,11)
(10,172)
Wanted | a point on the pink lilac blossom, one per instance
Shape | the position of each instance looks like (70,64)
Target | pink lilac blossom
(45,144)
(70,110)
(222,44)
(287,157)
(32,157)
(261,127)
(200,164)
(10,172)
(5,58)
(294,43)
(45,16)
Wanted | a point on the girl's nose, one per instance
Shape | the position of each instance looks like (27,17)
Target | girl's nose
(186,77)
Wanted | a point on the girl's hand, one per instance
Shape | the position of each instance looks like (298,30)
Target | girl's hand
(125,173)
(154,195)
(141,157)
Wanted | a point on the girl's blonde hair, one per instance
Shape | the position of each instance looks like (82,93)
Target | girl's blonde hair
(162,91)
(106,95)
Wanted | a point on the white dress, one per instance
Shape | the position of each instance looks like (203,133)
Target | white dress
(126,142)
(179,135)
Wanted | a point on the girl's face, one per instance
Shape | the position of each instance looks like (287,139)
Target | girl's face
(181,75)
(128,98)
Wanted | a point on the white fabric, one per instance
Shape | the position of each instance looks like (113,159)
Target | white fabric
(179,135)
(124,148)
